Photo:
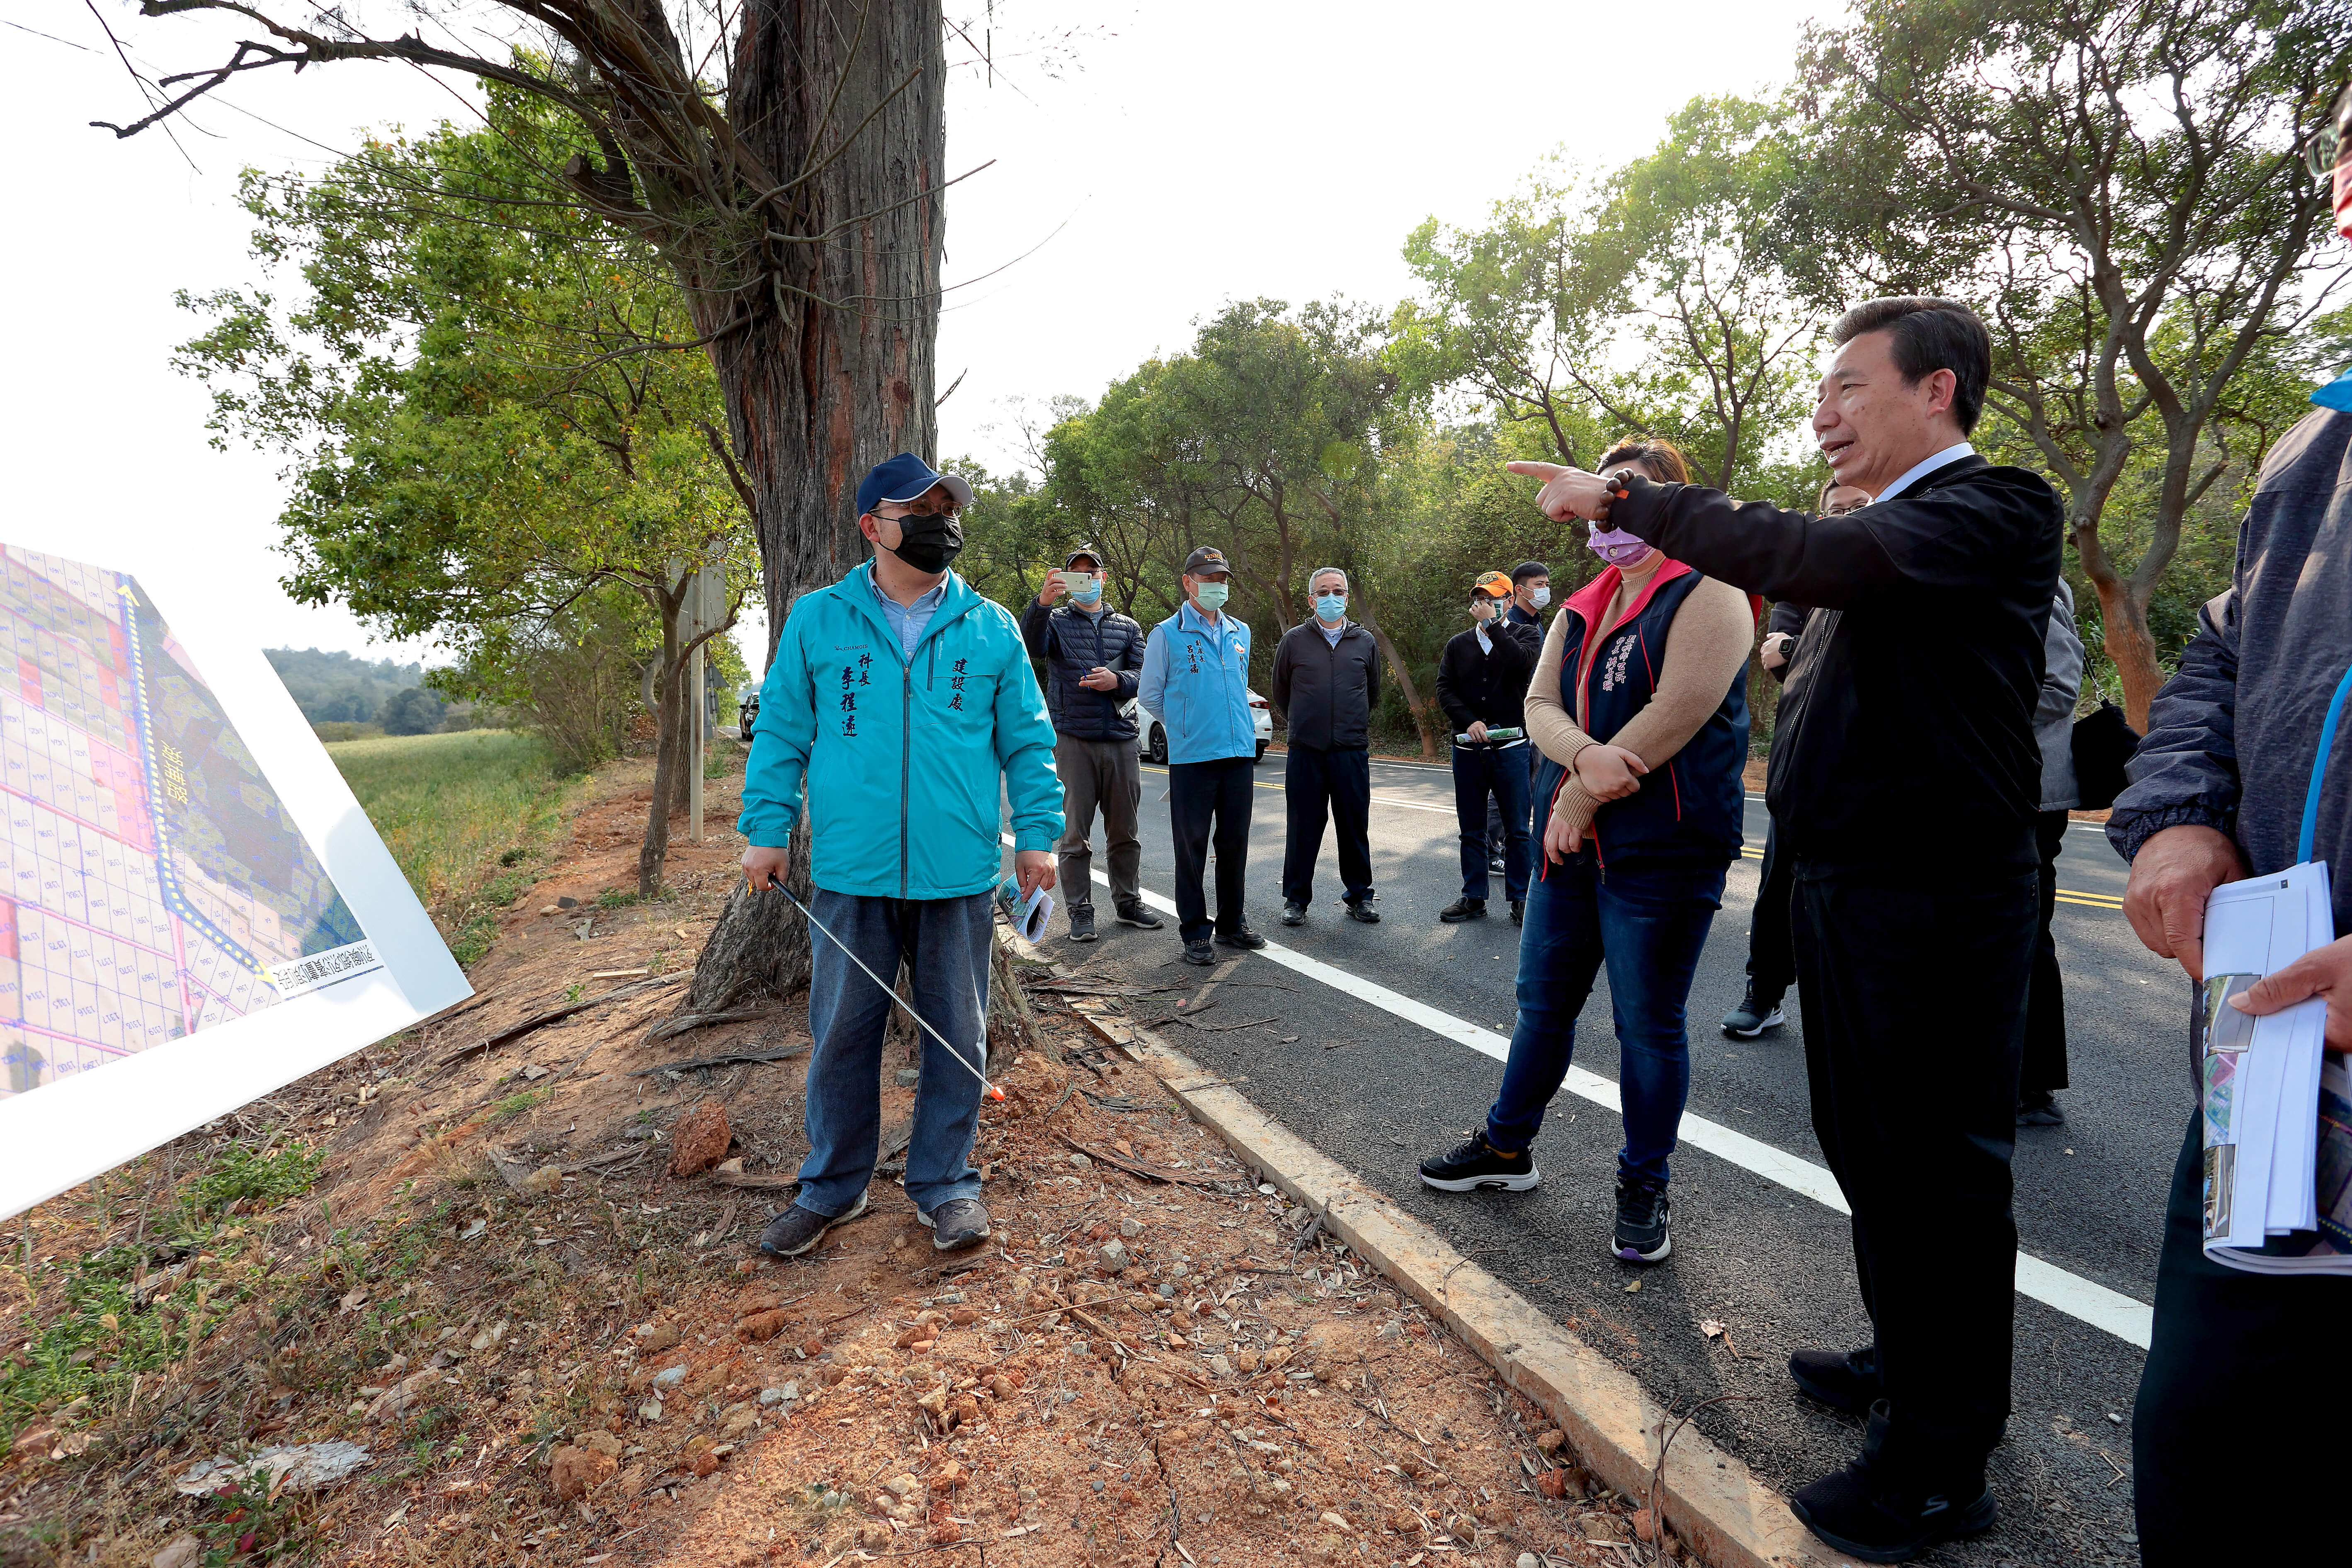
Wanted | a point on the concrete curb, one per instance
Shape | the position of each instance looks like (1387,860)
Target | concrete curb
(1711,1501)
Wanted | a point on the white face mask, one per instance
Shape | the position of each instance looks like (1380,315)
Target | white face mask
(1540,597)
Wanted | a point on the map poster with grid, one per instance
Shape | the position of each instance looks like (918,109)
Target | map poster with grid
(193,908)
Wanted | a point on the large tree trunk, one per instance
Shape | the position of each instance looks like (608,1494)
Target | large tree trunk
(830,370)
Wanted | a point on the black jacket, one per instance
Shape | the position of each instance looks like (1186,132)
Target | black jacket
(1913,722)
(2232,738)
(1492,686)
(1789,616)
(1072,642)
(1326,693)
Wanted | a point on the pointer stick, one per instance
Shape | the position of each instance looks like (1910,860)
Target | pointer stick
(891,992)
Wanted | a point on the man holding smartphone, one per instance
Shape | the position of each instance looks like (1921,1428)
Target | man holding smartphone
(1093,657)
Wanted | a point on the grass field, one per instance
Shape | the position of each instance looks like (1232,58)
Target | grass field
(454,810)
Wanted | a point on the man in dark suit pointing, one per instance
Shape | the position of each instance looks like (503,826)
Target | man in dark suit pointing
(1919,711)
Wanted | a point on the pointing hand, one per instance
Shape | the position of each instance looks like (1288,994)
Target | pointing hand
(1570,492)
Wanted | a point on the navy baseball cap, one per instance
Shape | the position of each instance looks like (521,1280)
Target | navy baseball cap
(903,479)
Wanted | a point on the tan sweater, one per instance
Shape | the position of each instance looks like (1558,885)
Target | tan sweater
(1706,648)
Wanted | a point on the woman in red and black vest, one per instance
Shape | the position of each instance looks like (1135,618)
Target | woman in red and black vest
(1639,705)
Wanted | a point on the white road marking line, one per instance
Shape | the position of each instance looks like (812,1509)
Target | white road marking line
(2086,1300)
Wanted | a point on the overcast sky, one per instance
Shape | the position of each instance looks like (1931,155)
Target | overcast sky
(1150,163)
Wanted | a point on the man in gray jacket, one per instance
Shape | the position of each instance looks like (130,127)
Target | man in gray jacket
(2041,1071)
(1327,681)
(2231,782)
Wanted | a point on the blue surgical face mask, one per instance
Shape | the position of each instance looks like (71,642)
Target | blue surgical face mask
(1086,587)
(1332,606)
(1211,596)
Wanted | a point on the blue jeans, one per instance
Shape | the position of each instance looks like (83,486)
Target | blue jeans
(1480,772)
(947,945)
(1648,923)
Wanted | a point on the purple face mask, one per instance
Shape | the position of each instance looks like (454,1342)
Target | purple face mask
(1616,546)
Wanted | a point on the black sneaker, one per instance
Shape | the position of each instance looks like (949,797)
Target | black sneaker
(1082,923)
(1753,1015)
(1362,910)
(2039,1110)
(798,1230)
(1465,909)
(957,1223)
(1843,1380)
(1294,914)
(1642,1209)
(1519,911)
(1479,1163)
(1199,953)
(1497,865)
(1137,915)
(1244,938)
(1867,1513)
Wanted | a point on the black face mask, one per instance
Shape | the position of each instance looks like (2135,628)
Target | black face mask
(928,540)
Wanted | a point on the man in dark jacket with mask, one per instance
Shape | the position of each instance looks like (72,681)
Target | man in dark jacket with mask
(1931,606)
(1092,655)
(2231,782)
(1326,679)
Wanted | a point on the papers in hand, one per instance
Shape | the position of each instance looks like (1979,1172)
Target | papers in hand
(2277,1110)
(1029,916)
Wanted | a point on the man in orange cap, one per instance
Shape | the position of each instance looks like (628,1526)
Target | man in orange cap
(1482,680)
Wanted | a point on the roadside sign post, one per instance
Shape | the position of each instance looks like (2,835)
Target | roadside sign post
(703,611)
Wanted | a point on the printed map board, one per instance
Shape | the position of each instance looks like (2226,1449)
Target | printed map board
(193,908)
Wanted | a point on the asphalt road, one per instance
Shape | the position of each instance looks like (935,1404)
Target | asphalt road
(1773,1267)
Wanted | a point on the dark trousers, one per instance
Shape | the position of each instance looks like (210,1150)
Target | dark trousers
(2043,1069)
(1648,925)
(1771,965)
(1336,784)
(1495,837)
(1480,772)
(947,943)
(1105,773)
(1210,802)
(1915,1103)
(2236,1364)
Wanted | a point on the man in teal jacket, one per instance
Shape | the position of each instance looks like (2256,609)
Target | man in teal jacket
(1195,681)
(900,698)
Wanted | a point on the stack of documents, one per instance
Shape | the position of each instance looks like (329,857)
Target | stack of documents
(2277,1111)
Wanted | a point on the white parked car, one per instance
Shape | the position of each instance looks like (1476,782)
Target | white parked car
(1151,738)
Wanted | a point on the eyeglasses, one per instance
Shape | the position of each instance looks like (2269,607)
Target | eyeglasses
(951,511)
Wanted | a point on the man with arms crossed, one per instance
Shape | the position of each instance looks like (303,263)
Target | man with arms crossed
(1930,607)
(901,699)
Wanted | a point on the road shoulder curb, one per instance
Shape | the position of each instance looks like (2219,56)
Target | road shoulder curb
(1710,1499)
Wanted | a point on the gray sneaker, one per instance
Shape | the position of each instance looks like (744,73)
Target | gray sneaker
(957,1223)
(798,1230)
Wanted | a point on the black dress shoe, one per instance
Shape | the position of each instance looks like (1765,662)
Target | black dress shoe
(1868,1511)
(1362,910)
(1843,1380)
(1244,937)
(1462,910)
(1294,914)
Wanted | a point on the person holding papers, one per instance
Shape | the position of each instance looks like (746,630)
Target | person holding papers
(2244,772)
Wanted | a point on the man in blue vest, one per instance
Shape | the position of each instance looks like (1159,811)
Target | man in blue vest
(902,779)
(1196,683)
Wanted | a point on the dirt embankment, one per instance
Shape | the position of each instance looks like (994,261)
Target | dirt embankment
(524,1286)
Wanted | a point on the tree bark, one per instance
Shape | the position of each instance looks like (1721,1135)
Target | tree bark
(831,371)
(1417,705)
